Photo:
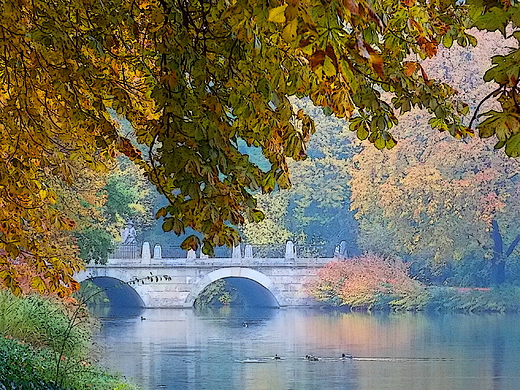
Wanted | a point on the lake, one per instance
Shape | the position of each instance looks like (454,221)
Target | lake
(233,348)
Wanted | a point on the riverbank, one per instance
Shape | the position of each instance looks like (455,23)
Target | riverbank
(374,283)
(505,299)
(45,344)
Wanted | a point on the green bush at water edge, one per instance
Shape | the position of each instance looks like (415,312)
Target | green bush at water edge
(45,346)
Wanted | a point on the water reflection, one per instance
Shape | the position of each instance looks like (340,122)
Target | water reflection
(212,349)
(236,316)
(105,312)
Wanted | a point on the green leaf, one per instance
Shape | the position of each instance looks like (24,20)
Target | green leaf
(513,146)
(390,143)
(380,143)
(327,111)
(190,242)
(290,31)
(486,129)
(328,67)
(447,40)
(499,144)
(257,215)
(362,132)
(492,20)
(167,225)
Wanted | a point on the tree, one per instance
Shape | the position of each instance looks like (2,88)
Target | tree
(122,195)
(498,261)
(194,78)
(431,197)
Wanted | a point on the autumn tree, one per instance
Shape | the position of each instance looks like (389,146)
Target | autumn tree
(194,78)
(434,198)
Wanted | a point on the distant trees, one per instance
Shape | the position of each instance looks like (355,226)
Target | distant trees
(125,195)
(432,197)
(315,211)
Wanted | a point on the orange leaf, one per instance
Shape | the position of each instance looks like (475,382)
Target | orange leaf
(317,59)
(410,67)
(377,62)
(352,6)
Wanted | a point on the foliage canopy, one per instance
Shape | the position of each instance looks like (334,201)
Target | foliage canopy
(195,77)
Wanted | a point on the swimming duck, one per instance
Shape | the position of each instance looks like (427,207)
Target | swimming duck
(276,357)
(346,356)
(244,324)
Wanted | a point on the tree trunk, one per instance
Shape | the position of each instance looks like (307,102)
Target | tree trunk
(498,263)
(498,272)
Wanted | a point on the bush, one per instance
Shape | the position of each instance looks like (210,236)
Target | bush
(43,321)
(369,282)
(474,300)
(22,368)
(44,345)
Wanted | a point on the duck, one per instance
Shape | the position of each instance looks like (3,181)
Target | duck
(142,318)
(276,357)
(244,325)
(311,358)
(346,356)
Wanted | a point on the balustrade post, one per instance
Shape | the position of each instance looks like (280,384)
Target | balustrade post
(157,252)
(146,256)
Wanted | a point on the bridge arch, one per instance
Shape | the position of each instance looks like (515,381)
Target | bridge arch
(118,292)
(234,272)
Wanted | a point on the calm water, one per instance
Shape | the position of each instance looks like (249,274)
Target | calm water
(182,349)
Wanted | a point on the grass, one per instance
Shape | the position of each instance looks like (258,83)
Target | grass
(43,322)
(45,344)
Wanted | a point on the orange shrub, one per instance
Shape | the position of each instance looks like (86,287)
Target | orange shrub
(368,281)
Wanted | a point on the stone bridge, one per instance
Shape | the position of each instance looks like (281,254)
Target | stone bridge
(176,282)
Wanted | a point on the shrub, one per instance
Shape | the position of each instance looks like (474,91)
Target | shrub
(474,300)
(22,368)
(44,345)
(369,282)
(42,321)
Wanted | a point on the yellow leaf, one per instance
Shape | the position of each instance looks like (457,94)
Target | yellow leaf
(410,67)
(328,67)
(277,15)
(290,31)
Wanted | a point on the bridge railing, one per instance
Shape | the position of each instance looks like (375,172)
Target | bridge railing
(266,251)
(131,252)
(283,254)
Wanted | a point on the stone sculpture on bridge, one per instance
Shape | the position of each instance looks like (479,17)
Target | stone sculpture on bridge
(248,252)
(341,250)
(157,252)
(128,234)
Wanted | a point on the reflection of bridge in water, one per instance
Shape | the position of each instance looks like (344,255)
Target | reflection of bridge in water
(176,282)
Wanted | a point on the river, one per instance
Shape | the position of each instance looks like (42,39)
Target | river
(233,349)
